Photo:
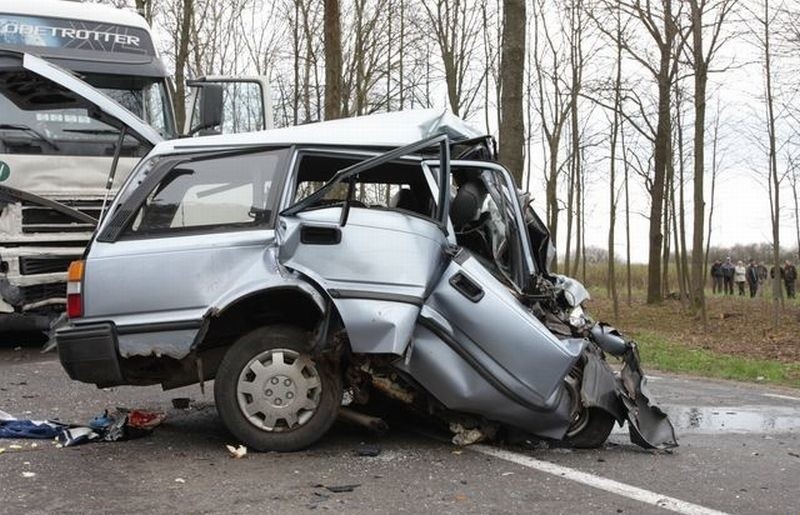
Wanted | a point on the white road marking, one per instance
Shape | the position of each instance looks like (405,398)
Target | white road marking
(601,483)
(779,396)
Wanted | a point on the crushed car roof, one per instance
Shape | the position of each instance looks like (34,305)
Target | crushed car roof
(376,130)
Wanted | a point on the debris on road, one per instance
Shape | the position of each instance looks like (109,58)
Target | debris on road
(28,474)
(374,424)
(146,420)
(29,429)
(237,452)
(181,402)
(463,436)
(122,424)
(368,450)
(180,480)
(338,489)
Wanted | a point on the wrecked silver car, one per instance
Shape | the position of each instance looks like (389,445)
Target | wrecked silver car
(383,257)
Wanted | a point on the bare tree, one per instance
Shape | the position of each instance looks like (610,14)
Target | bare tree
(333,60)
(512,128)
(612,172)
(701,58)
(761,20)
(660,22)
(456,26)
(552,105)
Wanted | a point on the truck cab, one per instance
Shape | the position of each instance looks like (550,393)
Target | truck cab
(55,156)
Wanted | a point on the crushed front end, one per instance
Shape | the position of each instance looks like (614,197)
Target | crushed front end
(39,237)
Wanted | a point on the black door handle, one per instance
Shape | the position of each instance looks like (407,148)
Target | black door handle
(467,287)
(317,235)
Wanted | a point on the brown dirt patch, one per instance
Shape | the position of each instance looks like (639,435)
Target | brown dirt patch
(739,326)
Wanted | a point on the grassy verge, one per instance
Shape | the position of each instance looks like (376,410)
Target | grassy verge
(658,353)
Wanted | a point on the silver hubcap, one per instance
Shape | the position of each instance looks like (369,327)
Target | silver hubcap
(279,390)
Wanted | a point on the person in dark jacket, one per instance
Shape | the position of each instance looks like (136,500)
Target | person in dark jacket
(716,276)
(752,278)
(789,278)
(728,271)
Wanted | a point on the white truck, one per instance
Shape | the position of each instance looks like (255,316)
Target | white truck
(59,162)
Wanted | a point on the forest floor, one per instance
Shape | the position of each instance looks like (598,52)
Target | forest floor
(740,341)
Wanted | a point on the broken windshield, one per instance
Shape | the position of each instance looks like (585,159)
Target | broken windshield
(72,131)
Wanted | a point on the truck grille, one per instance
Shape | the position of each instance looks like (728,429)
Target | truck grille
(30,265)
(38,219)
(39,292)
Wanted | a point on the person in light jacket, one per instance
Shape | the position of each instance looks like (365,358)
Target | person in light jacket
(740,276)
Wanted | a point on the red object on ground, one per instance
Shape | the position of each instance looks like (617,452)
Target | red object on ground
(145,419)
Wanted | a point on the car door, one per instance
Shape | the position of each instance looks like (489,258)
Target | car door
(475,306)
(377,265)
(198,226)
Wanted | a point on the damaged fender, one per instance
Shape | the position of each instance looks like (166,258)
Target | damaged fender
(649,426)
(625,397)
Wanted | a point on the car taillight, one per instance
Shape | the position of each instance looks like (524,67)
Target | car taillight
(74,285)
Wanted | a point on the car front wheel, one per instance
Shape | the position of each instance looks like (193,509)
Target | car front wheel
(272,394)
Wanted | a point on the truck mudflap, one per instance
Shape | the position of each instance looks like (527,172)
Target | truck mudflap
(626,398)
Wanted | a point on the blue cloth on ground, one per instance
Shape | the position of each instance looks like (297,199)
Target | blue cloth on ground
(29,429)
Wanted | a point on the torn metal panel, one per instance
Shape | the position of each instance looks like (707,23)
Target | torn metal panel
(171,344)
(377,326)
(600,387)
(376,272)
(649,426)
(504,330)
(459,386)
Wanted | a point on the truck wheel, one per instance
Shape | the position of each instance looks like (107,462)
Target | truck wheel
(589,427)
(272,394)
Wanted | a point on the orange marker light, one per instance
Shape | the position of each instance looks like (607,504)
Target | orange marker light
(75,271)
(74,287)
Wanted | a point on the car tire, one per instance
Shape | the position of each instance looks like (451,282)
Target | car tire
(272,394)
(589,426)
(595,431)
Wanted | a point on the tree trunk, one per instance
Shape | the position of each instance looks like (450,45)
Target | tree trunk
(333,60)
(700,81)
(181,61)
(661,156)
(627,215)
(612,216)
(512,127)
(774,180)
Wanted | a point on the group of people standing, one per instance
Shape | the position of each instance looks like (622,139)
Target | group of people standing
(725,274)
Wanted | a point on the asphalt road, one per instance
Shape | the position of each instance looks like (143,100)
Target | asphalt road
(739,453)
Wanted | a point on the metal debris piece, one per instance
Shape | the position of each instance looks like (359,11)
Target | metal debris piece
(341,488)
(374,424)
(464,436)
(368,450)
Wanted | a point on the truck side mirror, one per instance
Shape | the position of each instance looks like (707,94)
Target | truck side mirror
(210,104)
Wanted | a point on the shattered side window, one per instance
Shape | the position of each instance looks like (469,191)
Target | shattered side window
(232,191)
(400,186)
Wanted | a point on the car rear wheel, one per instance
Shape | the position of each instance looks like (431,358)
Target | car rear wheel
(272,394)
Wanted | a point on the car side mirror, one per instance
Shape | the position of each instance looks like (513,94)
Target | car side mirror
(210,103)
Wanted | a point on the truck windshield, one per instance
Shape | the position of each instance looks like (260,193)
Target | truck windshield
(70,131)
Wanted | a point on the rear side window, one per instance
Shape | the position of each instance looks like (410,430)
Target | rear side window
(397,185)
(230,192)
